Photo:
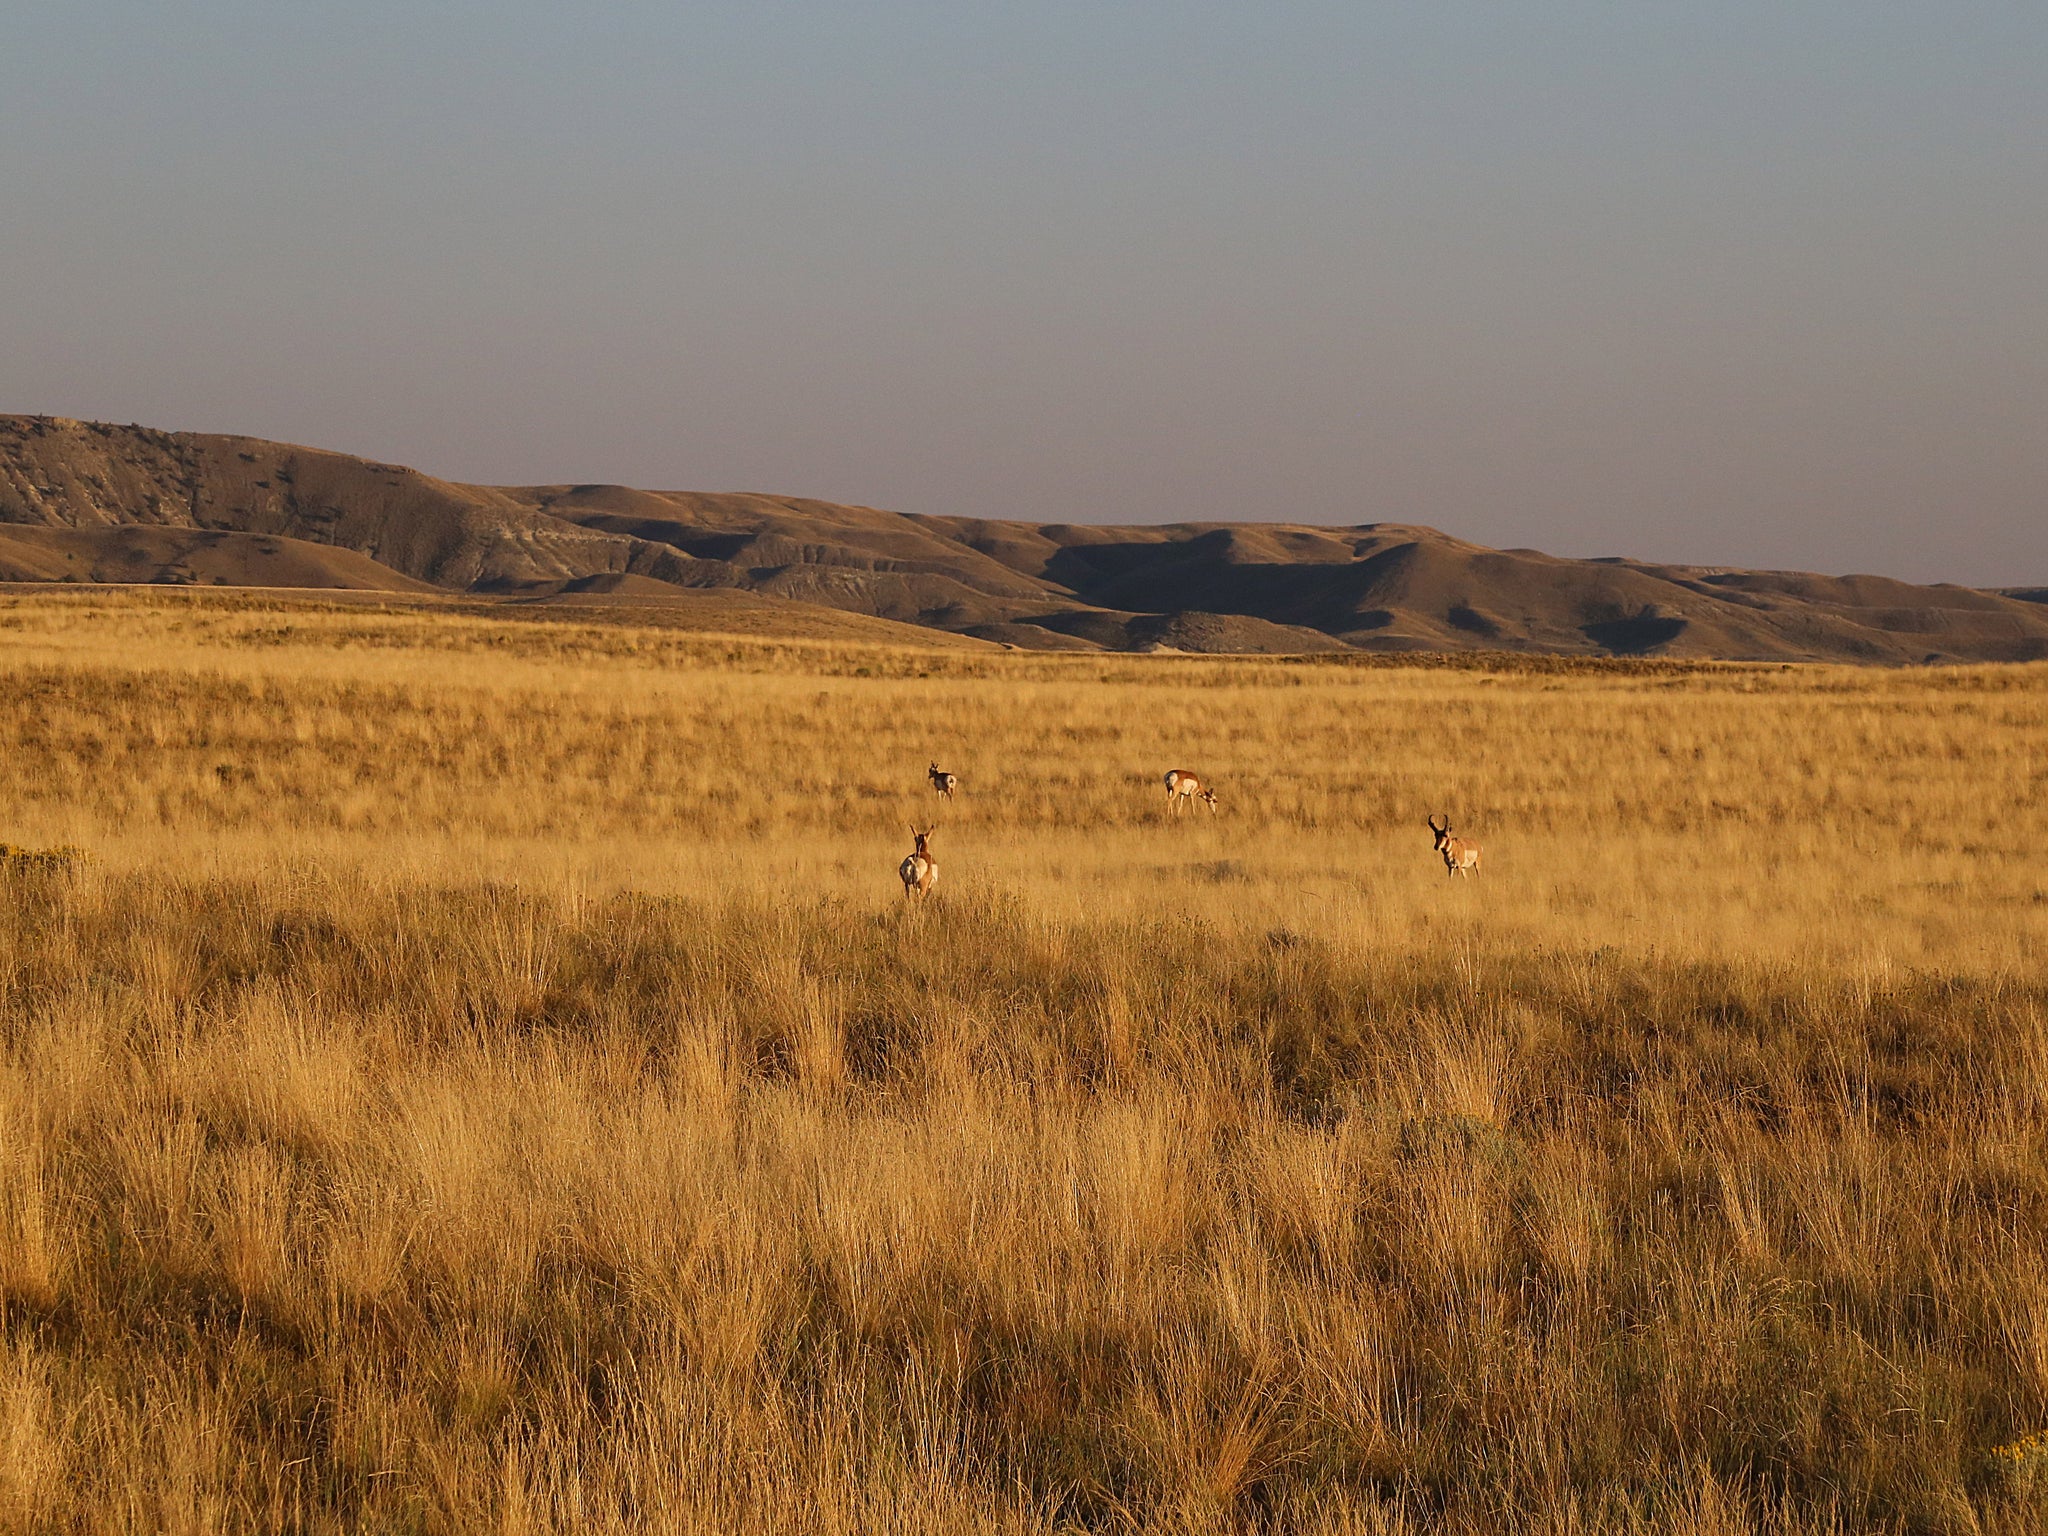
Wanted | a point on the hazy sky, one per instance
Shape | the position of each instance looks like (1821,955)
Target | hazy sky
(1760,282)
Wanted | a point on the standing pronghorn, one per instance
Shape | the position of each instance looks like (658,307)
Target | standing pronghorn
(1460,857)
(1183,786)
(920,871)
(944,783)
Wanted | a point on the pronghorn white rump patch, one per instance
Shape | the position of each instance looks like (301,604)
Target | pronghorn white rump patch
(920,871)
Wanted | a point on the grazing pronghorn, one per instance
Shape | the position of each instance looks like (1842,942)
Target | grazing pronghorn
(920,871)
(944,783)
(1182,786)
(1460,857)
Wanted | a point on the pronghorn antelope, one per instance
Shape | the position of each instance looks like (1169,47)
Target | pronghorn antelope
(1460,857)
(920,871)
(944,783)
(1182,786)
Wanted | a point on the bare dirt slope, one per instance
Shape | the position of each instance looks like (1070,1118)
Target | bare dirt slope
(80,495)
(191,557)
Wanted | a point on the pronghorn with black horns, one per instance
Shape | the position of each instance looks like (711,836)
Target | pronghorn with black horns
(920,871)
(1460,857)
(1183,786)
(944,783)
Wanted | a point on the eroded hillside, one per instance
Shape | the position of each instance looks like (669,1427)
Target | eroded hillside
(77,497)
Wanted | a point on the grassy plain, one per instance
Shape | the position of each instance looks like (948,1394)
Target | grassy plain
(486,1077)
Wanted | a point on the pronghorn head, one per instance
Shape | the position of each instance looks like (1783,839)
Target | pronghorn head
(923,840)
(1209,799)
(1443,833)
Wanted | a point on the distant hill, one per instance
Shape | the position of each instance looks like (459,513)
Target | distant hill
(88,501)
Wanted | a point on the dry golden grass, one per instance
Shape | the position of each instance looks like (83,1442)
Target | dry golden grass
(487,1077)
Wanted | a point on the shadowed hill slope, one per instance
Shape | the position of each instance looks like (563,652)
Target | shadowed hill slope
(91,501)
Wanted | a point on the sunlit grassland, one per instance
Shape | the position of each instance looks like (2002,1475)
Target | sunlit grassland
(487,1075)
